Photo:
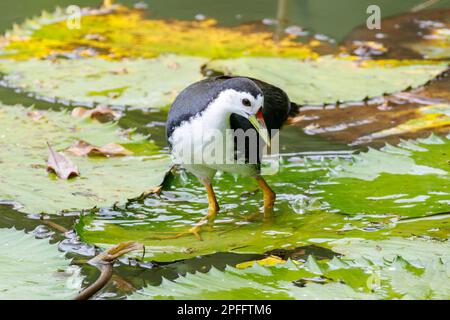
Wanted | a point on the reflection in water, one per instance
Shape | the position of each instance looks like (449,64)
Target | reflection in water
(282,18)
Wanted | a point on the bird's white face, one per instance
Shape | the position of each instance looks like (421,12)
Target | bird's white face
(241,103)
(246,105)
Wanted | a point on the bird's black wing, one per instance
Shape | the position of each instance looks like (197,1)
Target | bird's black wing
(275,110)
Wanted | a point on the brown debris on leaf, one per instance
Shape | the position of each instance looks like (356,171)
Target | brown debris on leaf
(61,165)
(82,148)
(100,113)
(35,115)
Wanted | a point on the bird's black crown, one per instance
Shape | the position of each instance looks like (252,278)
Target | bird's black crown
(241,84)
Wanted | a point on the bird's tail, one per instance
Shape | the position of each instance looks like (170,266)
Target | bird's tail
(294,109)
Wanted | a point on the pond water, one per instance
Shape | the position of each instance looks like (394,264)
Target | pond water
(305,154)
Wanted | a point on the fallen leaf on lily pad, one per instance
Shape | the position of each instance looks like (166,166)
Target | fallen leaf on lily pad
(100,113)
(104,180)
(61,165)
(35,115)
(328,80)
(92,80)
(82,148)
(125,32)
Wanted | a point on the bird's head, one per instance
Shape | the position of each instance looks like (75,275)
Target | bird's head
(243,97)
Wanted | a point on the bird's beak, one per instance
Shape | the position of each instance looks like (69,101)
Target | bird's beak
(258,122)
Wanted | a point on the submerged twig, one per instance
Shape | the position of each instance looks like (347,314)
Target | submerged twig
(104,262)
(282,11)
(424,5)
(54,225)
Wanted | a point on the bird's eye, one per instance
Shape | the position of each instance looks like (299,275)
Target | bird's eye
(246,102)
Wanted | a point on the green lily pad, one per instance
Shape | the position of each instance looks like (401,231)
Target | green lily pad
(411,179)
(143,83)
(256,282)
(306,210)
(330,80)
(34,269)
(354,276)
(103,181)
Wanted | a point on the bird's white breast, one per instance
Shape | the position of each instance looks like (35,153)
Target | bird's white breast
(205,144)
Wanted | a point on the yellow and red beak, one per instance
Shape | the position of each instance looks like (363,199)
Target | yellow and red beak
(259,124)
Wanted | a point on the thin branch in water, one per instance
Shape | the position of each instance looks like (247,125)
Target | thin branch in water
(104,262)
(424,5)
(54,225)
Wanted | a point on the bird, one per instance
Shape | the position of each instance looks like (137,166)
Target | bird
(209,113)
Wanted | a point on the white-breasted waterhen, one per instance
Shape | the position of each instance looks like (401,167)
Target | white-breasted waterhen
(215,108)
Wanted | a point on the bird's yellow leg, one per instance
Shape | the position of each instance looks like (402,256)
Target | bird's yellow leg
(213,208)
(268,194)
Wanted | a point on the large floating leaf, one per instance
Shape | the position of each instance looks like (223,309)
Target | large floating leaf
(329,80)
(143,83)
(126,33)
(411,179)
(256,282)
(299,216)
(423,275)
(102,182)
(34,269)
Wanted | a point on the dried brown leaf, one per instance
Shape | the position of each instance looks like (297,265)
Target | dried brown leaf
(35,115)
(82,148)
(61,165)
(100,113)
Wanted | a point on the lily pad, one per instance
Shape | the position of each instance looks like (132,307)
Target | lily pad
(34,269)
(328,80)
(103,181)
(256,282)
(121,32)
(347,278)
(411,179)
(142,83)
(307,208)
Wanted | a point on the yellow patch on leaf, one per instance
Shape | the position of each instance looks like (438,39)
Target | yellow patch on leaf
(125,32)
(269,261)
